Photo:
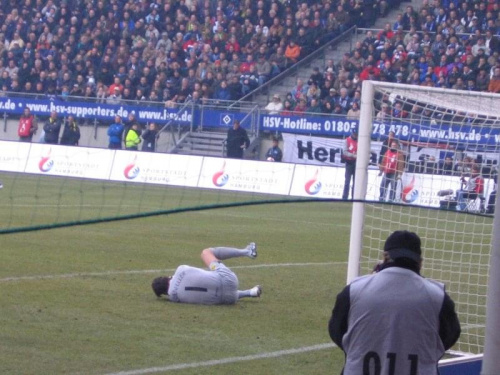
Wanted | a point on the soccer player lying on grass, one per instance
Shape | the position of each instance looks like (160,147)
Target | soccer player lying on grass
(216,286)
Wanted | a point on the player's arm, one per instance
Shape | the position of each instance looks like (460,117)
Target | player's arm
(449,325)
(381,165)
(34,126)
(338,324)
(246,141)
(479,185)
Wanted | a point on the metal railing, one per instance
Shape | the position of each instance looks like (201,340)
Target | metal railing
(419,32)
(173,121)
(294,69)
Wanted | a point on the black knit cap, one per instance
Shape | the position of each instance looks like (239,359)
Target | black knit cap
(404,244)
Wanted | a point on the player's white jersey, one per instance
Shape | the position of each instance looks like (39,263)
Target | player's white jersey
(199,286)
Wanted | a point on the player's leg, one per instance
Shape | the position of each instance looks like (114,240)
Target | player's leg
(347,181)
(383,187)
(353,179)
(221,253)
(207,256)
(392,191)
(255,292)
(461,204)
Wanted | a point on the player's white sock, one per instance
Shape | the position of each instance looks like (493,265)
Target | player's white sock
(255,292)
(223,253)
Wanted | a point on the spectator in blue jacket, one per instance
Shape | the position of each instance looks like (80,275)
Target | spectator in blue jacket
(249,80)
(274,153)
(115,133)
(222,93)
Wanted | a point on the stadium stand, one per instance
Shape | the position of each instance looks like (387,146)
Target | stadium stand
(171,52)
(146,48)
(443,44)
(70,46)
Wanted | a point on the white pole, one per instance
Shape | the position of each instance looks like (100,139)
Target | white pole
(491,363)
(360,187)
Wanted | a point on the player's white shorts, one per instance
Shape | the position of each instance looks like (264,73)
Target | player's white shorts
(229,282)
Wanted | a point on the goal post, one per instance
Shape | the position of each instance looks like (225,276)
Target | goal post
(362,163)
(444,136)
(491,364)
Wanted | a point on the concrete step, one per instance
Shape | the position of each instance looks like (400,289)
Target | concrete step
(209,143)
(207,136)
(198,146)
(200,152)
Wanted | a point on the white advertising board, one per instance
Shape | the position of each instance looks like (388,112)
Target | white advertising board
(298,180)
(152,168)
(246,175)
(13,156)
(423,189)
(318,182)
(69,161)
(415,189)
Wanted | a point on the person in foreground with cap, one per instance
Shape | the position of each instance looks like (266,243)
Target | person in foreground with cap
(216,286)
(394,321)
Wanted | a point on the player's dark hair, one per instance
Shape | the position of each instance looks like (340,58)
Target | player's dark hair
(160,285)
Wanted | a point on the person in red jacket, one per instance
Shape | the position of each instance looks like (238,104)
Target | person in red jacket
(391,168)
(370,72)
(27,126)
(474,187)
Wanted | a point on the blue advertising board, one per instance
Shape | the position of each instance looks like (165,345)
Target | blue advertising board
(100,111)
(338,126)
(464,136)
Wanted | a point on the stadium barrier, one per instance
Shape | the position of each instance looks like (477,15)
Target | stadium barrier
(484,138)
(297,180)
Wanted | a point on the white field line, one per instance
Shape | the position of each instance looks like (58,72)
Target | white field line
(215,362)
(131,272)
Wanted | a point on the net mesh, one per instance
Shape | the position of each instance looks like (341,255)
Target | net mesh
(41,201)
(443,135)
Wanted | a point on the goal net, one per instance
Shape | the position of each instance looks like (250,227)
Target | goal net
(447,140)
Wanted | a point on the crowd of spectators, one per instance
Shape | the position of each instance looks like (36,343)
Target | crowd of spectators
(170,51)
(447,44)
(161,50)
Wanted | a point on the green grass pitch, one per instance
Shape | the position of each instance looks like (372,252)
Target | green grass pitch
(78,300)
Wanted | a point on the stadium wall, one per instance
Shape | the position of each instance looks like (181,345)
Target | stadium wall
(297,180)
